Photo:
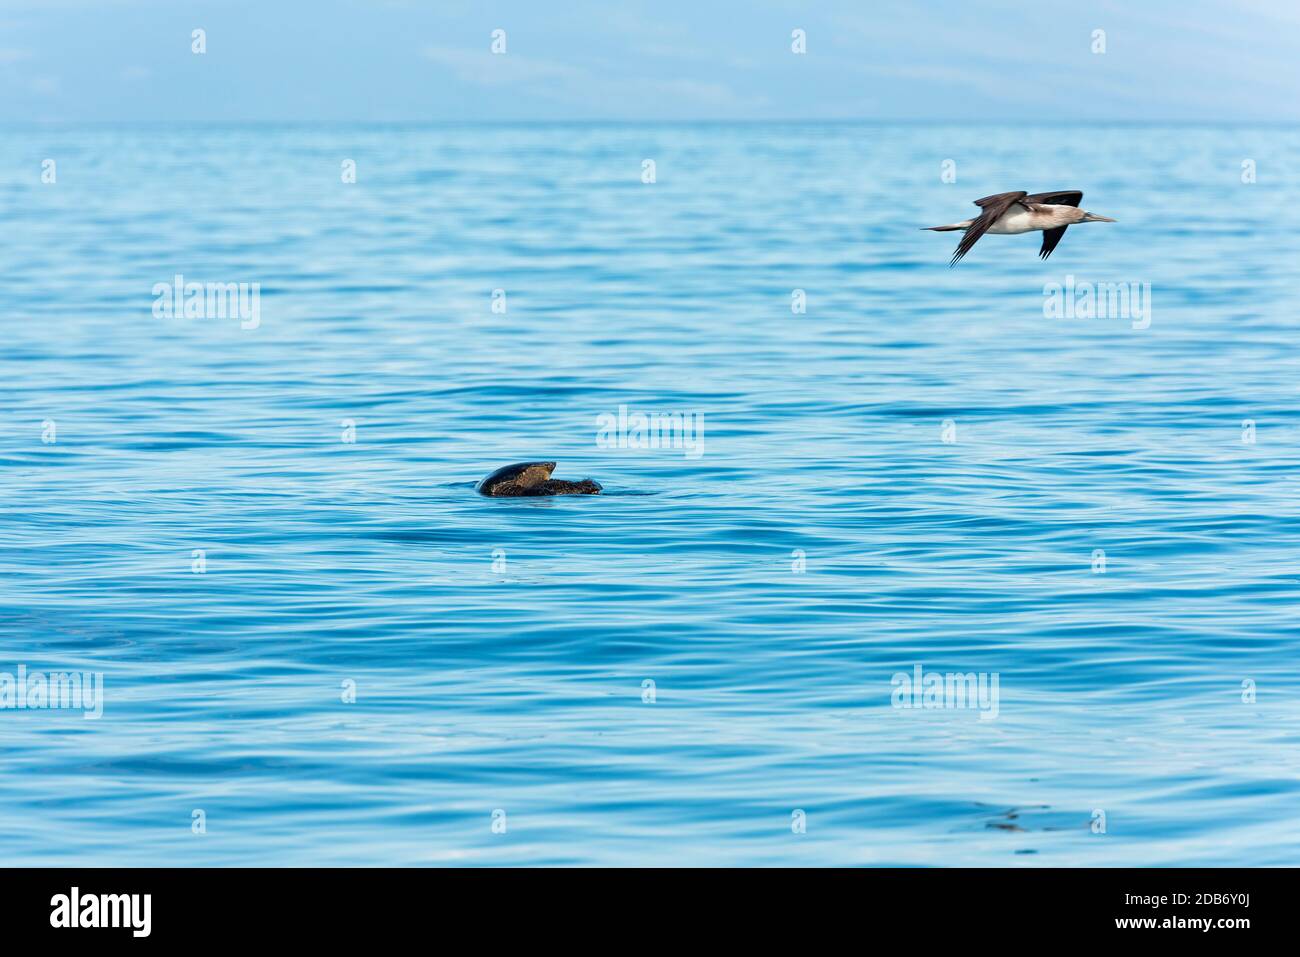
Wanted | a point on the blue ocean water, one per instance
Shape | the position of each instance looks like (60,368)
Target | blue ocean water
(696,667)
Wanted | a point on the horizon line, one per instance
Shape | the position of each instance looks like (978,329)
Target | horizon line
(830,121)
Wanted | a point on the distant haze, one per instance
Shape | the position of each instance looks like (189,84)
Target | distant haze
(412,61)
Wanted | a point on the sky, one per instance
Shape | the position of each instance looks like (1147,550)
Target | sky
(639,60)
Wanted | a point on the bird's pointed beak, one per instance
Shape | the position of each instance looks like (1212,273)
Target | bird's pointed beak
(1094,218)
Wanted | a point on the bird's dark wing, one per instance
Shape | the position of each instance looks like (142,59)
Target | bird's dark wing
(993,207)
(1063,197)
(534,474)
(1000,199)
(1051,237)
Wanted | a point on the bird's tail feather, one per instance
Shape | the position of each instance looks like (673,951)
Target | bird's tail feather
(947,229)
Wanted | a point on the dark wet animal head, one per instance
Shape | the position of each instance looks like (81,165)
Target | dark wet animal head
(517,477)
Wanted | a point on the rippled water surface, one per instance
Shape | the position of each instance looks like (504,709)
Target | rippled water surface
(501,650)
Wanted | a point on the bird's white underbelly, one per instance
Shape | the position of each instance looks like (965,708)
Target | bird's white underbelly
(1016,220)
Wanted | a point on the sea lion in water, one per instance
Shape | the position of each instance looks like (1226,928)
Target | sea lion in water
(532,478)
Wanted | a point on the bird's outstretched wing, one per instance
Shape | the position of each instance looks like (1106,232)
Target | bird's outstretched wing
(1001,199)
(993,207)
(1050,238)
(1064,197)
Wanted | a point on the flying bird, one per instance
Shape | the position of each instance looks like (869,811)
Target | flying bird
(1021,212)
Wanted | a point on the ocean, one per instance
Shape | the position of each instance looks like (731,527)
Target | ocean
(835,472)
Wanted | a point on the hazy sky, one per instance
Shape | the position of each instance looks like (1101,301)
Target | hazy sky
(420,60)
